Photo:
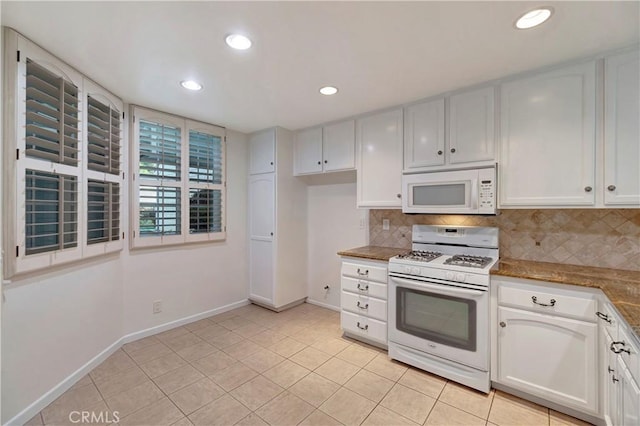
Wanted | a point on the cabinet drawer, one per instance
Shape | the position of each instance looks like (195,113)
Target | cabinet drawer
(364,305)
(557,303)
(365,271)
(364,287)
(361,325)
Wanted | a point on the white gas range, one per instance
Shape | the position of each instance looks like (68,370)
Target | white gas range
(439,302)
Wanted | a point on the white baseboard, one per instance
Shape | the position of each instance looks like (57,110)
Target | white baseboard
(131,337)
(323,305)
(54,393)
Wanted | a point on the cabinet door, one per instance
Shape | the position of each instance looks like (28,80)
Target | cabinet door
(261,272)
(307,152)
(339,146)
(610,379)
(262,207)
(548,356)
(548,139)
(379,145)
(471,126)
(629,397)
(262,152)
(622,130)
(424,135)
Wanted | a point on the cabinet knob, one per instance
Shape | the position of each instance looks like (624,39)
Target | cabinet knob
(325,161)
(271,233)
(503,324)
(453,150)
(319,162)
(399,195)
(611,188)
(440,152)
(588,189)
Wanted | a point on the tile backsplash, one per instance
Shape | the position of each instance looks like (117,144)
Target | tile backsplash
(608,238)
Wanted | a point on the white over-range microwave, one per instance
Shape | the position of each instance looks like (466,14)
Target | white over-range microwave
(472,191)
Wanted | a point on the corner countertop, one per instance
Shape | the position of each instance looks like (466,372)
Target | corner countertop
(374,252)
(621,287)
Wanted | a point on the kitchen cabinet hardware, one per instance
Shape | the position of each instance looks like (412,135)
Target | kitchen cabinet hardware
(588,189)
(366,272)
(604,317)
(440,152)
(319,163)
(613,379)
(552,302)
(503,324)
(366,326)
(453,150)
(365,288)
(611,370)
(399,195)
(615,350)
(271,233)
(326,161)
(611,188)
(366,306)
(271,163)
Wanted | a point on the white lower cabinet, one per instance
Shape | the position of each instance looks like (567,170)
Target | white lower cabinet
(620,393)
(548,355)
(546,342)
(363,300)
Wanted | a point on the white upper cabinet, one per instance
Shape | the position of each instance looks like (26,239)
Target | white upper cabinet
(621,130)
(307,151)
(471,126)
(424,134)
(379,159)
(339,146)
(327,149)
(262,152)
(547,155)
(470,139)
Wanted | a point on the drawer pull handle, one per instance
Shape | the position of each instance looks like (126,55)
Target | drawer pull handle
(609,369)
(365,273)
(616,350)
(365,288)
(366,326)
(613,379)
(552,302)
(362,307)
(603,317)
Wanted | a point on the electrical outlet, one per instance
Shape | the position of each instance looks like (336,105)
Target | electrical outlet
(157,306)
(385,224)
(363,223)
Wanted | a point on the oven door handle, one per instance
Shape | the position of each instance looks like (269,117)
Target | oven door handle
(441,288)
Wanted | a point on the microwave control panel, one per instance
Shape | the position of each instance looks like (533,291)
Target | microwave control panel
(487,191)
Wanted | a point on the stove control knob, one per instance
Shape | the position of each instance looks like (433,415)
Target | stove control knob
(406,269)
(449,275)
(415,271)
(460,277)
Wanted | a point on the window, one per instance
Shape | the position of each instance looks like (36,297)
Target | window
(62,162)
(179,187)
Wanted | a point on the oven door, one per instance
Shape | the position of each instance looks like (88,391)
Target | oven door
(443,320)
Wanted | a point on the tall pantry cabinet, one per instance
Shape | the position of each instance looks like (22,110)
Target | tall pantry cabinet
(277,222)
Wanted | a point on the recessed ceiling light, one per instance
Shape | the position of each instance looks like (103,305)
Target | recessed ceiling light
(533,18)
(191,85)
(329,90)
(238,41)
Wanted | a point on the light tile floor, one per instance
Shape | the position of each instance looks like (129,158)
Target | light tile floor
(252,366)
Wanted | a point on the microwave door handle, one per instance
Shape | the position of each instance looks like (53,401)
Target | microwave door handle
(474,193)
(440,288)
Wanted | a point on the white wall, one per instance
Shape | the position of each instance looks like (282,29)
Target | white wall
(54,323)
(333,224)
(194,278)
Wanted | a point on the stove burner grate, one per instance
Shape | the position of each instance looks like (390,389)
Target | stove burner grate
(424,256)
(467,260)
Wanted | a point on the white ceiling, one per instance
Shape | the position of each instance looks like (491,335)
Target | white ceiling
(379,54)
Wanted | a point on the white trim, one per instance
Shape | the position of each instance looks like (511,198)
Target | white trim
(323,305)
(66,384)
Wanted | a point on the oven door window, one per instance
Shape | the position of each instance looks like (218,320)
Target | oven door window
(439,318)
(452,194)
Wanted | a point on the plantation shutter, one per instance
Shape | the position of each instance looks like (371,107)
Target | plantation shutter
(205,167)
(52,128)
(103,137)
(159,151)
(103,211)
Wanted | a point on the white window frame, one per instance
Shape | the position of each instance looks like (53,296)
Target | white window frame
(16,50)
(137,240)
